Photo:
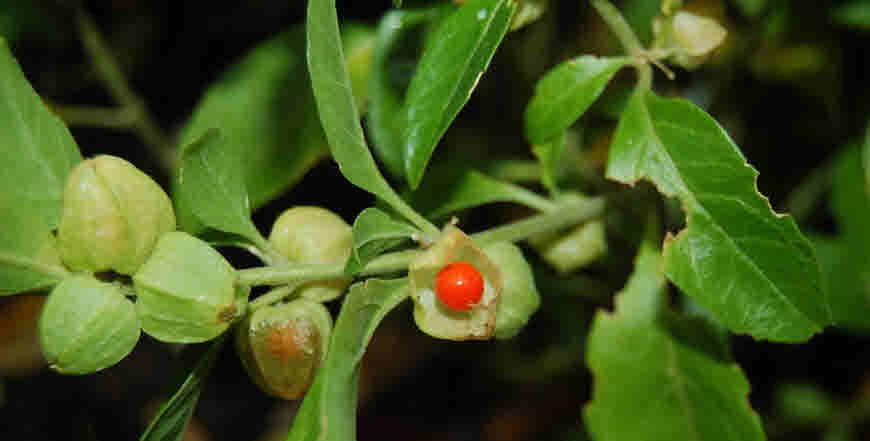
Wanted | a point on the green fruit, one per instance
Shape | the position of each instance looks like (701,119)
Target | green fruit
(87,325)
(112,216)
(435,318)
(314,235)
(186,291)
(281,346)
(581,246)
(519,296)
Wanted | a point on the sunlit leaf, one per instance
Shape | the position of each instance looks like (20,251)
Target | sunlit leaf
(264,105)
(338,112)
(397,49)
(37,155)
(453,62)
(565,93)
(211,191)
(736,258)
(374,232)
(651,386)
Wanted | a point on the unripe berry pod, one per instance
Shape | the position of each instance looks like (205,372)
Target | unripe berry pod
(431,314)
(306,234)
(87,325)
(689,38)
(281,346)
(519,296)
(186,291)
(112,216)
(582,245)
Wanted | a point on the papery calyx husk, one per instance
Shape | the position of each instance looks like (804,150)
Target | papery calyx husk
(575,249)
(435,319)
(112,216)
(186,291)
(688,38)
(306,234)
(87,325)
(519,296)
(283,345)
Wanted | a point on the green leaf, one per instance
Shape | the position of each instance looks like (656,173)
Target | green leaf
(548,155)
(737,258)
(172,418)
(264,105)
(211,189)
(650,386)
(328,412)
(454,60)
(850,200)
(37,154)
(751,8)
(565,93)
(452,187)
(338,112)
(845,277)
(640,14)
(855,14)
(374,232)
(845,260)
(395,49)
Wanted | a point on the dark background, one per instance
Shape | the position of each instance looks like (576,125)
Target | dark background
(414,387)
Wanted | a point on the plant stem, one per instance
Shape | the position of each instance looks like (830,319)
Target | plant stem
(614,19)
(561,217)
(273,296)
(514,170)
(109,71)
(108,117)
(429,230)
(296,272)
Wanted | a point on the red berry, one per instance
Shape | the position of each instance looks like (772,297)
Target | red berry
(459,285)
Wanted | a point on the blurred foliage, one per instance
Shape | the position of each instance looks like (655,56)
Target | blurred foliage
(789,85)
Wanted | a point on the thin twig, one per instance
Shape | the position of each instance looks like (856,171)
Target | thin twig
(110,73)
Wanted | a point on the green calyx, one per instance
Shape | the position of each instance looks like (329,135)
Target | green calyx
(314,235)
(282,345)
(112,216)
(186,291)
(87,325)
(435,319)
(519,297)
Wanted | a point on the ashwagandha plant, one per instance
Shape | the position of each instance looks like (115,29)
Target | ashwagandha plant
(118,257)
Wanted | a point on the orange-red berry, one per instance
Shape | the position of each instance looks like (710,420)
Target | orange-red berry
(459,286)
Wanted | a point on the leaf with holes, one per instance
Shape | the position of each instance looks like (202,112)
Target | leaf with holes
(737,258)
